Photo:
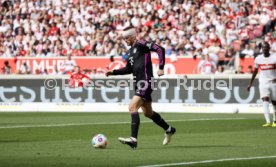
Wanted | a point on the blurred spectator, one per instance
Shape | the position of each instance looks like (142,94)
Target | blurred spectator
(247,51)
(220,70)
(240,70)
(69,65)
(173,56)
(78,78)
(56,71)
(94,71)
(45,71)
(273,45)
(257,49)
(25,68)
(249,69)
(213,51)
(206,66)
(230,55)
(264,20)
(274,32)
(7,68)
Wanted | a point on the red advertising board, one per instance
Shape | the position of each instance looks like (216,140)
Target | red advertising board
(247,62)
(181,66)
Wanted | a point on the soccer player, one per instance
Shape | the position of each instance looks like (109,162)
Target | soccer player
(140,65)
(267,81)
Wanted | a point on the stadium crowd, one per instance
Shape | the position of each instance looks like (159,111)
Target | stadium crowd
(217,29)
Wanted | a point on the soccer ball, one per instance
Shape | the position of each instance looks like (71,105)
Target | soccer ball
(99,141)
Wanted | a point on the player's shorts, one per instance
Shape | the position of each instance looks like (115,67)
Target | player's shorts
(145,94)
(268,90)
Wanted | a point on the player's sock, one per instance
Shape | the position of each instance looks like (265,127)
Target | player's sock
(159,121)
(169,129)
(274,113)
(266,111)
(135,122)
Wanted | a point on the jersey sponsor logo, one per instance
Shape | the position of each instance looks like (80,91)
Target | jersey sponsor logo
(267,66)
(207,64)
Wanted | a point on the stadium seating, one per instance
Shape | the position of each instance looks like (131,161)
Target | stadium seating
(36,28)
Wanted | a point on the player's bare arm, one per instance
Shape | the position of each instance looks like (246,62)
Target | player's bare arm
(252,79)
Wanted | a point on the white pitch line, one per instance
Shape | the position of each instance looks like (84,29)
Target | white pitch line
(111,123)
(209,161)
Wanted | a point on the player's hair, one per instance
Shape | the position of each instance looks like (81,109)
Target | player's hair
(266,43)
(129,32)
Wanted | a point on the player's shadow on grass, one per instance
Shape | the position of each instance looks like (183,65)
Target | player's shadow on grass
(13,141)
(195,146)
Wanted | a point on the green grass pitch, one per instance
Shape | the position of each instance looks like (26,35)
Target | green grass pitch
(64,139)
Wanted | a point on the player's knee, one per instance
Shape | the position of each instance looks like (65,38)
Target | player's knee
(132,108)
